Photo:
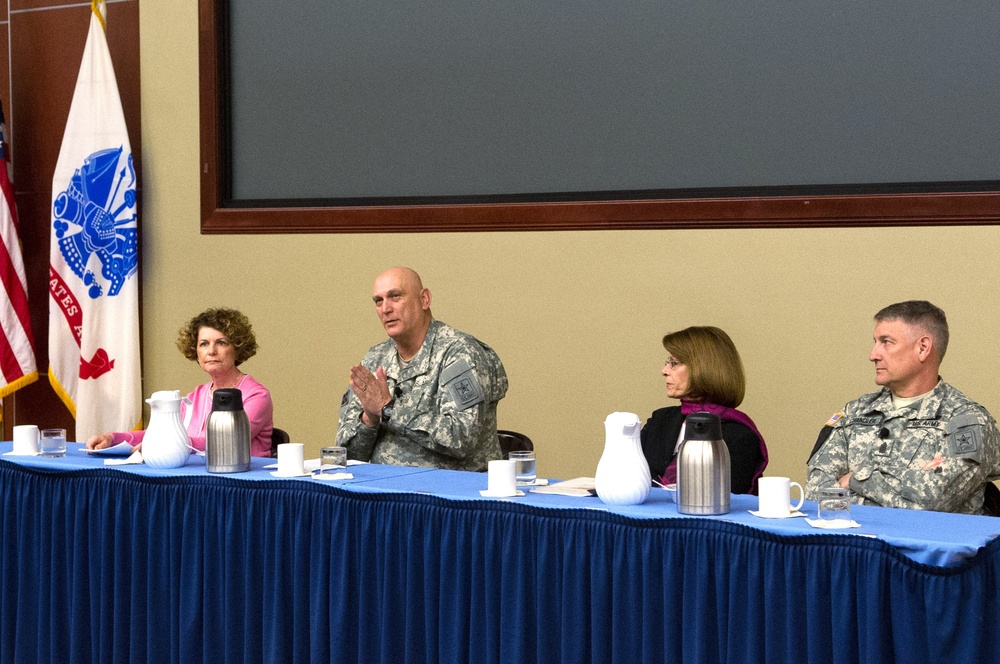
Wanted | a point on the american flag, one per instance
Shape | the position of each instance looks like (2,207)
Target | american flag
(17,344)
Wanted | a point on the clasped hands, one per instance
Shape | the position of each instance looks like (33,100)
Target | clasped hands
(372,391)
(933,464)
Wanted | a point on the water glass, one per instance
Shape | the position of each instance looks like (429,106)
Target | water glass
(333,456)
(525,466)
(53,442)
(834,504)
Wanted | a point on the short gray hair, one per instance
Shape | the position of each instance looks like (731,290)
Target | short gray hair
(923,314)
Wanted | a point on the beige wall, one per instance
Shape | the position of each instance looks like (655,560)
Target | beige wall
(576,317)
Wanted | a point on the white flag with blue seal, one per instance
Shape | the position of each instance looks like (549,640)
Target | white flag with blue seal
(94,362)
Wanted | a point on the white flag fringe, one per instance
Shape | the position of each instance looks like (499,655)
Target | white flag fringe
(94,362)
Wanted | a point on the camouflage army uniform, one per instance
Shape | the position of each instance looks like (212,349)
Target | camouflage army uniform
(445,413)
(885,449)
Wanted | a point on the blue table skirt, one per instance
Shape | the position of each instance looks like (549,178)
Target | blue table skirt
(106,565)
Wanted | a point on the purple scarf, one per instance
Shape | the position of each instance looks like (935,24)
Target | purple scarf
(724,413)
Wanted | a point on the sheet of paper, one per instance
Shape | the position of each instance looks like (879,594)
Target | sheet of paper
(135,457)
(121,449)
(580,486)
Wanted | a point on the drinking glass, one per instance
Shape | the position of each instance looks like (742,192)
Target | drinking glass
(53,442)
(834,504)
(525,466)
(333,456)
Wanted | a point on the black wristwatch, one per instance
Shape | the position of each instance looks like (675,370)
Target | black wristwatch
(386,413)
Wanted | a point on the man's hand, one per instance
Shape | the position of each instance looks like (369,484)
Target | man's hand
(845,481)
(372,391)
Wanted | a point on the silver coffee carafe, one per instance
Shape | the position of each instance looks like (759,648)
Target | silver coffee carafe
(703,472)
(227,443)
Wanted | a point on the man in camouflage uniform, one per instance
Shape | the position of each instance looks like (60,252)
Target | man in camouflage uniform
(428,395)
(918,442)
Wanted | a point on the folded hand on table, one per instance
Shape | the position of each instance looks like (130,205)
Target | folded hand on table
(100,441)
(104,440)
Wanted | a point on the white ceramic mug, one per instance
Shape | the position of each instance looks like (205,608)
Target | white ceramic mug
(502,477)
(291,459)
(26,438)
(775,495)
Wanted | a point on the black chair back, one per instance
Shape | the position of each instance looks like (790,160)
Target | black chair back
(991,500)
(278,437)
(512,441)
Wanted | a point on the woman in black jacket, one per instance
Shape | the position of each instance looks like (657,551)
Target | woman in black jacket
(704,371)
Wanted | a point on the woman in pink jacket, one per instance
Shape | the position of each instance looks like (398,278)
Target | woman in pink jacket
(220,340)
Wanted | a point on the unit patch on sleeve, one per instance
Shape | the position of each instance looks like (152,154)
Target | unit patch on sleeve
(965,437)
(461,384)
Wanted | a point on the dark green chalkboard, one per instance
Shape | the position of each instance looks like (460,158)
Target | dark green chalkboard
(333,100)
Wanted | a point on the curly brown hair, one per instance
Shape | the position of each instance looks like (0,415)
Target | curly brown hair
(232,323)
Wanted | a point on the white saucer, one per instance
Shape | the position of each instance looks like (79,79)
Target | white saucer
(302,474)
(332,476)
(835,524)
(308,465)
(486,493)
(790,515)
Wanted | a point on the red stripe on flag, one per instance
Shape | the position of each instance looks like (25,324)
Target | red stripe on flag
(11,281)
(21,341)
(8,361)
(15,292)
(11,367)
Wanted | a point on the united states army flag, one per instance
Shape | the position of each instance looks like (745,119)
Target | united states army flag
(94,360)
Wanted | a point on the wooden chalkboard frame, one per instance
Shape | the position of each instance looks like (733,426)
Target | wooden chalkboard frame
(933,204)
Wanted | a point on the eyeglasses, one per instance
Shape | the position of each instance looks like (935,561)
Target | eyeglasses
(672,363)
